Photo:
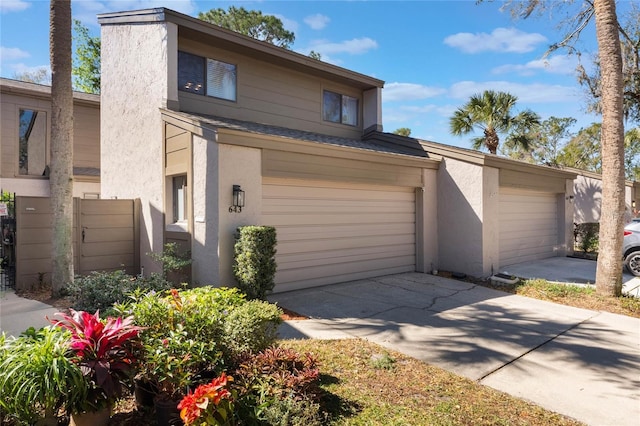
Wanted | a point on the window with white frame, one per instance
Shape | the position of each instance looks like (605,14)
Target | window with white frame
(204,76)
(338,108)
(32,143)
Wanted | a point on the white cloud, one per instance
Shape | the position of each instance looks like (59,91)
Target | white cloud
(409,91)
(21,68)
(317,21)
(356,46)
(526,93)
(12,53)
(559,64)
(7,6)
(500,40)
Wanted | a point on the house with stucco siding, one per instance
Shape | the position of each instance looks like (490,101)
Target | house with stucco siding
(25,111)
(588,197)
(193,115)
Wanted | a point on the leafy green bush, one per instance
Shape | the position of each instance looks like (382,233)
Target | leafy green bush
(289,411)
(175,263)
(251,327)
(267,378)
(38,377)
(254,264)
(190,332)
(586,236)
(101,290)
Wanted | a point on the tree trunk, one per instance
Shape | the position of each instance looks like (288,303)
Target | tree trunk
(491,140)
(61,169)
(609,269)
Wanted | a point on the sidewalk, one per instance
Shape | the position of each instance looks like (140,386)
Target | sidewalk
(17,313)
(580,363)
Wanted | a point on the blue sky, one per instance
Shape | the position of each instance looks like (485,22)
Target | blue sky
(433,55)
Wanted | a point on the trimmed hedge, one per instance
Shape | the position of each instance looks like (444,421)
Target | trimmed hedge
(254,264)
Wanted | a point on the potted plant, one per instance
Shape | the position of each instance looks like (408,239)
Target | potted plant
(104,351)
(209,404)
(39,376)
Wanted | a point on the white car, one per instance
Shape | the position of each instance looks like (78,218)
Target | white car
(631,247)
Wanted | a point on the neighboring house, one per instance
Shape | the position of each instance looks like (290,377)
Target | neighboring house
(494,211)
(25,140)
(191,110)
(588,197)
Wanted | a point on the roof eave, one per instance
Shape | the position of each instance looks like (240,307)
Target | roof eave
(239,40)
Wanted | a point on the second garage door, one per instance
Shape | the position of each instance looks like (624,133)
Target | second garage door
(330,232)
(528,225)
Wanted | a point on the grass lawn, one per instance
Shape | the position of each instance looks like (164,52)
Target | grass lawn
(578,296)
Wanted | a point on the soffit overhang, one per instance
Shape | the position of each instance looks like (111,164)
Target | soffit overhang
(236,132)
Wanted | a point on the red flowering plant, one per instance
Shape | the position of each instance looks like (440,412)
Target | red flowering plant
(209,404)
(104,351)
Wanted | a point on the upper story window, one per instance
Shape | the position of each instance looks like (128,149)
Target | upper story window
(32,143)
(339,108)
(205,76)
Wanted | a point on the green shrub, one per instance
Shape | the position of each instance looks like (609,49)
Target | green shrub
(194,331)
(38,375)
(254,264)
(251,327)
(292,412)
(586,236)
(101,290)
(175,263)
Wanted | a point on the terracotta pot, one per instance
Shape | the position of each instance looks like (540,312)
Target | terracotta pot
(167,412)
(144,393)
(92,418)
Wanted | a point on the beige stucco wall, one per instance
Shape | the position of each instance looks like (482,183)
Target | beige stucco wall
(237,166)
(460,213)
(39,187)
(427,222)
(490,221)
(566,215)
(135,84)
(587,199)
(205,268)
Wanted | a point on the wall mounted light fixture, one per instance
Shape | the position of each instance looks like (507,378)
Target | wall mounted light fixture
(633,204)
(238,200)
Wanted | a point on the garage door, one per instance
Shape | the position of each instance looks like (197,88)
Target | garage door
(331,232)
(528,225)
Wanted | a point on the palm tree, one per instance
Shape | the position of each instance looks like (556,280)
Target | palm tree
(61,175)
(491,112)
(609,268)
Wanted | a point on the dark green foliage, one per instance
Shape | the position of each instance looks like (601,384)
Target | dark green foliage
(251,327)
(254,264)
(251,23)
(101,290)
(587,236)
(172,259)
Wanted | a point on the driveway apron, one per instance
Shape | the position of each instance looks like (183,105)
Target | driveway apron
(580,363)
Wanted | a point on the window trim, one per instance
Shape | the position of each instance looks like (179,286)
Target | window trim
(205,67)
(341,114)
(47,142)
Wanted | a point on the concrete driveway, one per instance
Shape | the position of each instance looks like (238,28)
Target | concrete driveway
(577,362)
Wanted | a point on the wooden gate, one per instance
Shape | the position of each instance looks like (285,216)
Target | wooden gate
(105,238)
